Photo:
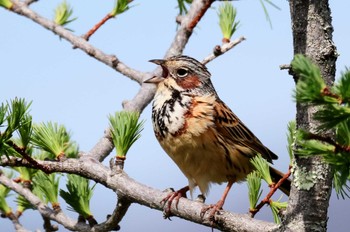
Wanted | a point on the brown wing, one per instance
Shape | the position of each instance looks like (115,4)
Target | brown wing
(229,125)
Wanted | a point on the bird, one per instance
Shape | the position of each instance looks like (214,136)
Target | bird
(200,133)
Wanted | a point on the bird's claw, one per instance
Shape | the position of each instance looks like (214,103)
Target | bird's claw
(213,210)
(168,200)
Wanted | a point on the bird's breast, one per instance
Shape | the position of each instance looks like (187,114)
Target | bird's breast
(169,108)
(177,113)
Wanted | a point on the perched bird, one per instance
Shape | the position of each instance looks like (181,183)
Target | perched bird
(206,140)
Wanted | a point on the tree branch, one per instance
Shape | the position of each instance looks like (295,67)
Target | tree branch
(188,23)
(97,26)
(118,214)
(59,217)
(29,2)
(219,50)
(139,193)
(78,42)
(14,219)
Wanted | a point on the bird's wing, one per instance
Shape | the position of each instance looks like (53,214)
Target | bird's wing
(231,128)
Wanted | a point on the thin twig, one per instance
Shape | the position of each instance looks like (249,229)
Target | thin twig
(79,42)
(329,140)
(97,26)
(273,189)
(14,219)
(285,66)
(29,2)
(188,23)
(27,157)
(219,50)
(327,92)
(113,220)
(48,226)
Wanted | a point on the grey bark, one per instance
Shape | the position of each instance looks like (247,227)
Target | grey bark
(312,185)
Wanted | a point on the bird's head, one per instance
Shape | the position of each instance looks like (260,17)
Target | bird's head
(183,71)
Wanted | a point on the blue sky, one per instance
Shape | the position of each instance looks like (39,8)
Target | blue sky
(71,88)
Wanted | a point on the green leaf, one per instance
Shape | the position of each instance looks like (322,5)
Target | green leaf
(26,174)
(3,112)
(125,130)
(48,185)
(309,147)
(4,193)
(267,16)
(342,87)
(276,207)
(63,14)
(25,131)
(330,115)
(263,168)
(120,7)
(340,180)
(15,114)
(78,195)
(291,139)
(23,204)
(254,188)
(52,138)
(182,5)
(6,4)
(310,83)
(73,150)
(343,133)
(227,20)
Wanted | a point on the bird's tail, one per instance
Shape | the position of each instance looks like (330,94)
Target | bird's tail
(276,175)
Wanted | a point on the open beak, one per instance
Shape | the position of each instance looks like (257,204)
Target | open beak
(157,79)
(157,61)
(154,80)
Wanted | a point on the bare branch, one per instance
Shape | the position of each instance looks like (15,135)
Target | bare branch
(14,219)
(28,2)
(110,60)
(285,66)
(97,26)
(118,214)
(219,50)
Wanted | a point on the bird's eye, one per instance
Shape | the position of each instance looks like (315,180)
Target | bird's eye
(181,72)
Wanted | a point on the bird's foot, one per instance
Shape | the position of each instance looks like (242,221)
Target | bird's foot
(174,196)
(212,210)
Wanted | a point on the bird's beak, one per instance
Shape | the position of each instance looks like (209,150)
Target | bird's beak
(157,79)
(154,80)
(157,61)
